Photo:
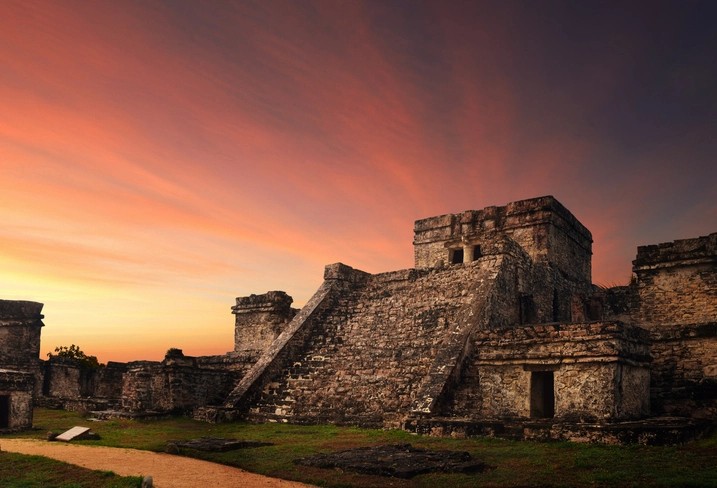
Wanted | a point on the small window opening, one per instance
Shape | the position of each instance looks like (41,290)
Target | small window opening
(4,411)
(528,314)
(476,253)
(456,256)
(46,381)
(556,307)
(542,395)
(595,308)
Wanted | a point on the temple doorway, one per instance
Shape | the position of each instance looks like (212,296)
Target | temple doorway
(4,411)
(542,395)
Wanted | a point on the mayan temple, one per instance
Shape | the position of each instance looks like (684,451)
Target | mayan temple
(497,330)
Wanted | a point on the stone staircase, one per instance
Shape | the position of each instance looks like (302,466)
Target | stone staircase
(277,401)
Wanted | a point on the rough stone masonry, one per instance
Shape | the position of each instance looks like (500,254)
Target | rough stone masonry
(498,330)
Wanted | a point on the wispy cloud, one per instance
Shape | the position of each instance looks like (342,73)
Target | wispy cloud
(159,153)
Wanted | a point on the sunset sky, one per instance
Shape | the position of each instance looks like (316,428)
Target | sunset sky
(160,158)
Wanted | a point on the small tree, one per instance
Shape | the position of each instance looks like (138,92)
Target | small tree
(174,352)
(75,353)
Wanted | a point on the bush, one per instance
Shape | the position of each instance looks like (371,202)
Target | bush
(75,353)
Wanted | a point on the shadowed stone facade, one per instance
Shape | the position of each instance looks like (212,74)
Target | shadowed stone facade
(675,298)
(20,325)
(497,330)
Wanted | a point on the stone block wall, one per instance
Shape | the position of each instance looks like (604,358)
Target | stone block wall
(63,378)
(676,282)
(675,298)
(178,384)
(545,229)
(386,341)
(684,372)
(108,381)
(600,372)
(16,400)
(144,387)
(368,354)
(66,384)
(20,326)
(260,319)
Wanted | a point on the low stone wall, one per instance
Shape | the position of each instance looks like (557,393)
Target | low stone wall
(16,395)
(650,432)
(69,385)
(179,383)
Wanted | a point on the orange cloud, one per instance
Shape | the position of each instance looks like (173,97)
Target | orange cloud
(170,153)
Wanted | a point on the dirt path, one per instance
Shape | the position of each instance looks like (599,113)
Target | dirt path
(167,471)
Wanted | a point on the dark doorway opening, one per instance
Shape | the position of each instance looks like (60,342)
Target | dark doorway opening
(456,256)
(542,395)
(4,411)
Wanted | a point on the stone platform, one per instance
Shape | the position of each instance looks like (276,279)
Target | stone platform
(120,414)
(399,461)
(652,432)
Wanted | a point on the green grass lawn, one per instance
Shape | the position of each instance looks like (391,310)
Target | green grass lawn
(20,471)
(516,463)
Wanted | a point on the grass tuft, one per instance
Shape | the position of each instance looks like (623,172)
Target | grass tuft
(22,471)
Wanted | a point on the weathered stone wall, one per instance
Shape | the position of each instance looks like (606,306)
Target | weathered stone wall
(16,394)
(545,229)
(260,319)
(69,385)
(632,391)
(684,372)
(600,371)
(368,354)
(612,304)
(385,345)
(675,297)
(108,381)
(63,378)
(676,282)
(144,387)
(177,384)
(20,325)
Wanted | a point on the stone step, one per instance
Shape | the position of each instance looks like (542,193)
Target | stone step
(265,417)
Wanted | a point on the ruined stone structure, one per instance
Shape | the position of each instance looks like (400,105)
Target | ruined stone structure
(20,324)
(498,330)
(675,298)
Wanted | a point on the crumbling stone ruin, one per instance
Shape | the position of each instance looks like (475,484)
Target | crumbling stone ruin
(20,324)
(498,330)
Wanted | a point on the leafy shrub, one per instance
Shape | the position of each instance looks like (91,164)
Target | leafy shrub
(74,352)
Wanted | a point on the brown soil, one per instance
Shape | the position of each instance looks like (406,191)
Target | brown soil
(167,471)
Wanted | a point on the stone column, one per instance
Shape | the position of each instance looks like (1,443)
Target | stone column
(468,253)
